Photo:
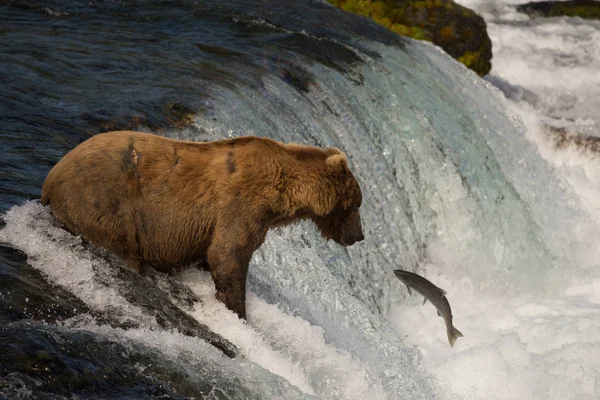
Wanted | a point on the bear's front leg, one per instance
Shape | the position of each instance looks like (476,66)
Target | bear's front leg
(229,269)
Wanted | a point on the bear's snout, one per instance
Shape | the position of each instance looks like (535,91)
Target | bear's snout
(352,231)
(349,240)
(360,237)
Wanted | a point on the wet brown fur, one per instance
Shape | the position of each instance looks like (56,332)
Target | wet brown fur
(167,203)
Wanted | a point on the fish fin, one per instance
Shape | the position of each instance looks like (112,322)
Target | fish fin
(424,300)
(443,292)
(453,334)
(439,315)
(409,291)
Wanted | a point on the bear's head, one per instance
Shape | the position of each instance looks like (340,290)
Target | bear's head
(339,218)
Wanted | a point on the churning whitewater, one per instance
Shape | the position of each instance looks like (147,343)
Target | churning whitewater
(542,343)
(460,184)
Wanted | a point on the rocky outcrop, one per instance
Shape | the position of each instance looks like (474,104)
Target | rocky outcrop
(576,8)
(458,30)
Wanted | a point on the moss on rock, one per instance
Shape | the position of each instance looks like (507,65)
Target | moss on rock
(456,29)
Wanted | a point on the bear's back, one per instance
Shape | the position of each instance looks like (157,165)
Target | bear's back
(147,197)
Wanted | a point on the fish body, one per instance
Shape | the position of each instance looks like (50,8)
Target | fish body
(435,296)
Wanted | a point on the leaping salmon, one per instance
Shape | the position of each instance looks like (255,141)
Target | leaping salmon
(435,295)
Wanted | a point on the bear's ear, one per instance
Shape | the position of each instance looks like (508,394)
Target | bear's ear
(330,151)
(338,160)
(337,166)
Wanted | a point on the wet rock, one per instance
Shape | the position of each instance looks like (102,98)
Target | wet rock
(41,361)
(514,92)
(576,8)
(564,138)
(152,292)
(178,115)
(461,32)
(25,293)
(167,116)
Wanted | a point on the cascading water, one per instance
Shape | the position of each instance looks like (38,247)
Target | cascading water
(450,186)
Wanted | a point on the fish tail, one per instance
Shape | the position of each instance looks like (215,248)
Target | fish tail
(453,334)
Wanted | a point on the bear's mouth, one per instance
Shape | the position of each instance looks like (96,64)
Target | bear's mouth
(349,241)
(345,243)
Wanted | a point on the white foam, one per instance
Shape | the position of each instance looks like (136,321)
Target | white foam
(62,259)
(285,345)
(542,346)
(197,356)
(531,346)
(556,58)
(524,347)
(282,344)
(578,166)
(251,343)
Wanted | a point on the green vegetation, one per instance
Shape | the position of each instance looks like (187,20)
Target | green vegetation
(459,31)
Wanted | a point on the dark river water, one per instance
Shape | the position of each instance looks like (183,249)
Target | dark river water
(73,69)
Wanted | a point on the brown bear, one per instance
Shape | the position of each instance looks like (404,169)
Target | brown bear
(167,203)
